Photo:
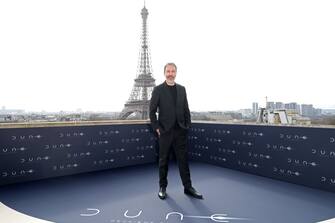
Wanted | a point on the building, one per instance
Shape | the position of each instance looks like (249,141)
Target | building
(307,110)
(279,105)
(270,105)
(292,107)
(254,108)
(246,113)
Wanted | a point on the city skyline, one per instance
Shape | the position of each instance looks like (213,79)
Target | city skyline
(67,55)
(253,108)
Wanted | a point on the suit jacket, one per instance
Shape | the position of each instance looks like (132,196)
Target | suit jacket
(168,112)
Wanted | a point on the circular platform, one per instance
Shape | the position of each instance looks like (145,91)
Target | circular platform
(129,195)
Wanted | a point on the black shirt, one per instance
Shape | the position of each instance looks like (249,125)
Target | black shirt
(173,92)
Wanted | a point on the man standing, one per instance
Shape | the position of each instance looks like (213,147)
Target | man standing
(174,120)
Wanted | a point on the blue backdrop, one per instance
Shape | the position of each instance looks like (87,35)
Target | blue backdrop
(301,155)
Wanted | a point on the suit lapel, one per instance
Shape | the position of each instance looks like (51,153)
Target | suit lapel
(178,94)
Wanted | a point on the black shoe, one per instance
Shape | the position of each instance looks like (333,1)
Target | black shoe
(162,193)
(192,192)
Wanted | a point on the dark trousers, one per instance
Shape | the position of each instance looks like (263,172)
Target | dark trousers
(176,139)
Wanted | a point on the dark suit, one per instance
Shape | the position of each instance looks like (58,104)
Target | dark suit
(173,121)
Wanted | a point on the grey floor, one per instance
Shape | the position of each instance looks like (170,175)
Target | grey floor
(129,195)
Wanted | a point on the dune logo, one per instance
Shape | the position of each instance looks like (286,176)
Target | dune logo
(75,155)
(71,134)
(95,143)
(222,131)
(292,137)
(116,150)
(242,143)
(330,180)
(138,157)
(259,156)
(247,164)
(194,154)
(201,147)
(301,162)
(192,137)
(107,133)
(278,147)
(227,151)
(64,166)
(252,134)
(144,147)
(130,140)
(218,158)
(12,150)
(197,130)
(214,217)
(282,171)
(323,153)
(214,140)
(139,130)
(57,146)
(103,162)
(26,137)
(16,173)
(32,159)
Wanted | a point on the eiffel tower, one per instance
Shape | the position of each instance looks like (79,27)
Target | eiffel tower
(137,106)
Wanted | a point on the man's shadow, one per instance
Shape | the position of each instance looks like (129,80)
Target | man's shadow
(179,212)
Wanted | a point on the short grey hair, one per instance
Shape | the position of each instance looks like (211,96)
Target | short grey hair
(170,64)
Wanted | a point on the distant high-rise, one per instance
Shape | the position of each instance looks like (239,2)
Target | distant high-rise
(138,102)
(279,105)
(254,108)
(270,105)
(307,110)
(293,106)
(317,112)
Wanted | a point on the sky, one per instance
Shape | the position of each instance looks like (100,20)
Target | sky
(83,54)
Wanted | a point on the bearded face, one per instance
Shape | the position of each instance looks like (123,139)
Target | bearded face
(170,74)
